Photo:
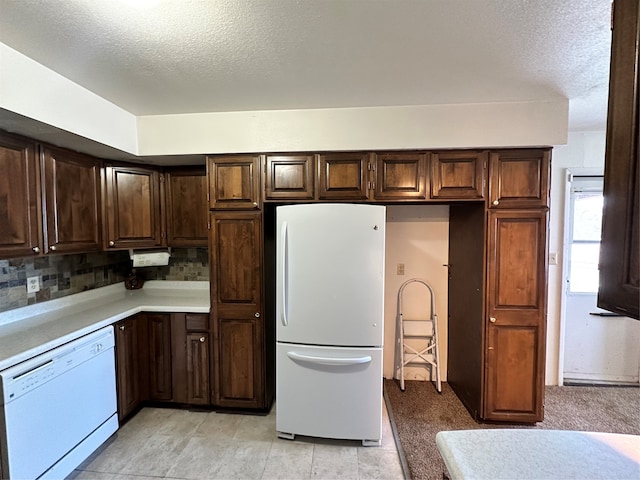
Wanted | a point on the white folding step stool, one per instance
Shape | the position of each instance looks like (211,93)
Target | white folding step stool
(424,331)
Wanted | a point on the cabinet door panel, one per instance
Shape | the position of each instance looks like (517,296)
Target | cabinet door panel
(519,179)
(234,182)
(198,387)
(401,176)
(187,211)
(133,207)
(516,313)
(512,363)
(236,301)
(619,289)
(458,175)
(20,214)
(127,366)
(343,176)
(237,343)
(159,332)
(72,198)
(289,177)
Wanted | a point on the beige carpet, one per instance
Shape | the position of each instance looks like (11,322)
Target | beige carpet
(420,412)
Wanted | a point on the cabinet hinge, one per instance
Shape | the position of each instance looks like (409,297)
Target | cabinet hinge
(164,235)
(208,225)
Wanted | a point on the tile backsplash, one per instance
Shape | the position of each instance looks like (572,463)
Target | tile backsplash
(63,275)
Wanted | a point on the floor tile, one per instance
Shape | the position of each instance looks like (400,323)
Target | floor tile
(289,460)
(335,462)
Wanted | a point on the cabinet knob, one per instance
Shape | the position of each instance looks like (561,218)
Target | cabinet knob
(255,204)
(492,319)
(496,202)
(36,249)
(257,315)
(112,243)
(121,327)
(202,339)
(52,248)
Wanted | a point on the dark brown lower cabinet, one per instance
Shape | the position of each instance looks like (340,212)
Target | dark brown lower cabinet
(130,364)
(163,357)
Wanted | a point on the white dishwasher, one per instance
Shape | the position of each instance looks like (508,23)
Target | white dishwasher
(58,408)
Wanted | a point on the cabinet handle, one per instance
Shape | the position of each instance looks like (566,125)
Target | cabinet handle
(492,319)
(121,327)
(112,243)
(52,248)
(36,249)
(257,315)
(496,202)
(202,339)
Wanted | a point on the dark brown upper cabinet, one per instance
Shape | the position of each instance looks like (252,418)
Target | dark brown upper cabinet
(344,176)
(289,177)
(132,212)
(458,175)
(234,182)
(619,289)
(72,202)
(20,213)
(519,178)
(400,176)
(187,212)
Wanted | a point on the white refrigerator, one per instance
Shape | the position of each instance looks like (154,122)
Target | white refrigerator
(329,317)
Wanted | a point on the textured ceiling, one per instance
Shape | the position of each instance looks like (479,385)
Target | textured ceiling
(185,56)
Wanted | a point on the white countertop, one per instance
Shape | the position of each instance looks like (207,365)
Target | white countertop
(538,454)
(29,331)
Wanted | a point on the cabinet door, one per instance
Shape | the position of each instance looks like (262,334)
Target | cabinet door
(458,175)
(197,356)
(159,337)
(72,202)
(619,289)
(400,176)
(20,214)
(343,176)
(237,308)
(234,182)
(187,210)
(519,178)
(516,312)
(133,215)
(127,366)
(289,177)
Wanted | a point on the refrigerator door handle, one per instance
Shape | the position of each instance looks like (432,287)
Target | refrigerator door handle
(329,360)
(285,281)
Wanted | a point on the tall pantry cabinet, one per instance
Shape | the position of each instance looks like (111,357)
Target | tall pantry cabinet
(237,286)
(497,291)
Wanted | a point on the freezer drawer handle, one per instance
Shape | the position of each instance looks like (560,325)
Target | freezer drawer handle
(285,280)
(329,360)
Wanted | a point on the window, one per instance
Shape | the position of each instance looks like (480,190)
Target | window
(586,221)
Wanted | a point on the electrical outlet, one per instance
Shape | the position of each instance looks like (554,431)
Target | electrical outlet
(33,284)
(400,270)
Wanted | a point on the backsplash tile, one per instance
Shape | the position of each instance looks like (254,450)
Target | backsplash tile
(63,275)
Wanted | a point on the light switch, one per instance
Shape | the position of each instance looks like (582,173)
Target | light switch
(400,270)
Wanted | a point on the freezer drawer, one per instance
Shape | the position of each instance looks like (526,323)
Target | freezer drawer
(329,392)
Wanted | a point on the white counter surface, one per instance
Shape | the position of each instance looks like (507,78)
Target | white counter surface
(28,331)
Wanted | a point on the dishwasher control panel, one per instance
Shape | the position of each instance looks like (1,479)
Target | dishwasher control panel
(30,374)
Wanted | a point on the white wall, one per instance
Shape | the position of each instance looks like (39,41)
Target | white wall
(583,150)
(410,127)
(418,237)
(36,92)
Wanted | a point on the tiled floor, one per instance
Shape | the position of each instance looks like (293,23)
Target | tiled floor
(169,443)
